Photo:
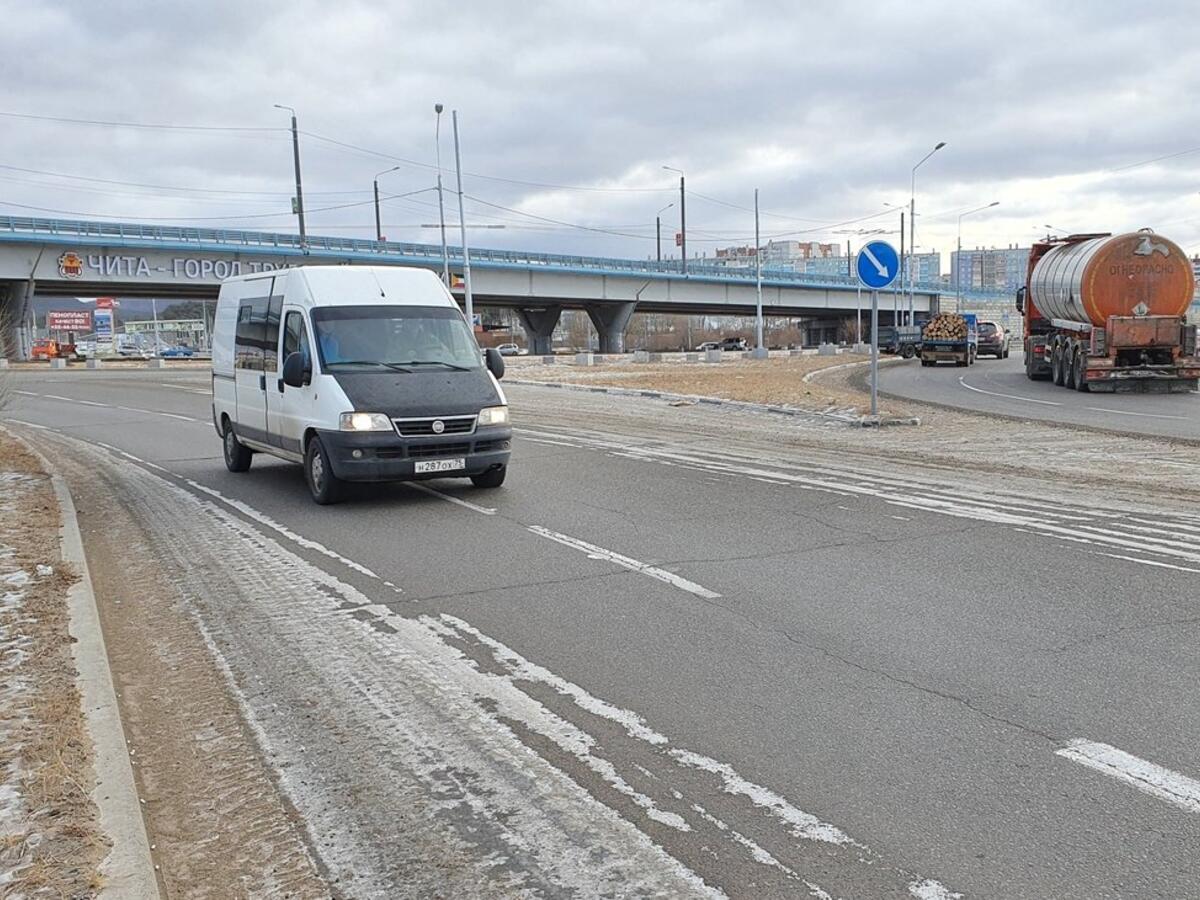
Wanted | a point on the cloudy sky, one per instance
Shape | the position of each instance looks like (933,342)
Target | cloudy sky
(1078,115)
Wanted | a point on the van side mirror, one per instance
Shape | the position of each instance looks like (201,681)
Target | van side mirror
(295,372)
(495,362)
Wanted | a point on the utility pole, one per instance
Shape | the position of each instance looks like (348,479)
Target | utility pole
(462,225)
(682,219)
(296,160)
(378,226)
(759,350)
(658,228)
(437,131)
(899,282)
(912,227)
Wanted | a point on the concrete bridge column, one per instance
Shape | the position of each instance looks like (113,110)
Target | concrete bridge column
(539,325)
(611,320)
(14,305)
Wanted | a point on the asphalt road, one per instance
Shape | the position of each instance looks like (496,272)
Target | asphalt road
(1000,386)
(653,666)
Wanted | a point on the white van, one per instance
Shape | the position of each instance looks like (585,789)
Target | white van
(360,373)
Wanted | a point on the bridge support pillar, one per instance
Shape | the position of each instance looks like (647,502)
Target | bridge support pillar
(611,320)
(539,325)
(16,299)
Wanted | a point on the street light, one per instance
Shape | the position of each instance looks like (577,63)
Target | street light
(296,160)
(958,256)
(682,220)
(437,132)
(658,228)
(912,226)
(375,181)
(462,229)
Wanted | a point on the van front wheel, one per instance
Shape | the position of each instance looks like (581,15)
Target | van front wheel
(324,486)
(492,478)
(237,454)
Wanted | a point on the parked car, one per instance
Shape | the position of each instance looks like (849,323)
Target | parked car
(733,343)
(176,352)
(708,345)
(509,350)
(993,340)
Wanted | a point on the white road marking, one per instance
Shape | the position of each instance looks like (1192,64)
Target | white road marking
(484,510)
(1148,562)
(177,416)
(901,518)
(1006,396)
(1126,412)
(27,393)
(264,519)
(180,387)
(72,400)
(625,562)
(32,425)
(1146,776)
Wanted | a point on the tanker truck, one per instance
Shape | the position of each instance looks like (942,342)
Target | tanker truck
(1107,313)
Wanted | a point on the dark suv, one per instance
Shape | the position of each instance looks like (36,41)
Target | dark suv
(993,340)
(733,343)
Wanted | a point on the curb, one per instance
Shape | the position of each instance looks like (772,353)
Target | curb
(743,405)
(128,869)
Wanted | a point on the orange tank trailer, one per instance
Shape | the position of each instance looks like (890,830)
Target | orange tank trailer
(1107,313)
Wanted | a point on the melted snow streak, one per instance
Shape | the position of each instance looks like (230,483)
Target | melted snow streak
(402,739)
(1146,537)
(18,834)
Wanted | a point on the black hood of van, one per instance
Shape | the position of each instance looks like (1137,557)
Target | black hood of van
(423,392)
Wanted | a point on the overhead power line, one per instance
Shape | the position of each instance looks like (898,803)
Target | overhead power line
(146,125)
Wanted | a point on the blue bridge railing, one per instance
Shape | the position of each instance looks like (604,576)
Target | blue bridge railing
(130,234)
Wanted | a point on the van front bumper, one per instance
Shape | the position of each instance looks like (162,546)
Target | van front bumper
(383,456)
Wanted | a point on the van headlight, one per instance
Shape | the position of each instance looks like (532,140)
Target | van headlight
(361,421)
(493,415)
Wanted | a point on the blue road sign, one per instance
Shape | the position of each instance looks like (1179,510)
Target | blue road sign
(878,265)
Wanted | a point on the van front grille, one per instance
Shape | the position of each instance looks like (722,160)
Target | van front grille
(426,428)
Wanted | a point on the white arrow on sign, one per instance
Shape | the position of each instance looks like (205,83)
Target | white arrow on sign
(879,267)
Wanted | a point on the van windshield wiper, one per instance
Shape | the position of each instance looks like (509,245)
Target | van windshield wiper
(431,362)
(371,362)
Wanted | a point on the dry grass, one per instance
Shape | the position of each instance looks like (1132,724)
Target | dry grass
(777,381)
(55,847)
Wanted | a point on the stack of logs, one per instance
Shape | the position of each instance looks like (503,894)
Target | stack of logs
(945,327)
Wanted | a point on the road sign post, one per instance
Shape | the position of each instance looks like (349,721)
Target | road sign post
(878,265)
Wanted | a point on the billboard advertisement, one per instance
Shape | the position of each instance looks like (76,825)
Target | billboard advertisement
(69,320)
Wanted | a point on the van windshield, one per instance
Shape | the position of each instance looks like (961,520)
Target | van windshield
(393,338)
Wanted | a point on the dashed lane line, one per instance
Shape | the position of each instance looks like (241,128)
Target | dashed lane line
(595,552)
(474,507)
(1147,777)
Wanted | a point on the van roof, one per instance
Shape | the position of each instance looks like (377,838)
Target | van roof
(365,285)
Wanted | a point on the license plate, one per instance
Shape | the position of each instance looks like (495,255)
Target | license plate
(439,465)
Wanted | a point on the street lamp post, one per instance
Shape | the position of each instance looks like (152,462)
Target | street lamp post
(658,229)
(296,161)
(462,226)
(437,131)
(378,224)
(759,350)
(958,255)
(912,228)
(682,220)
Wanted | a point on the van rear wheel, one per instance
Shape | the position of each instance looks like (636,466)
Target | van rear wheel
(324,486)
(492,478)
(237,454)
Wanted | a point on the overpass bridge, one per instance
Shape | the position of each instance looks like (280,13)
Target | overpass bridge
(55,257)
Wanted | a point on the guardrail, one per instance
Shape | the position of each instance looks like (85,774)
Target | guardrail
(222,239)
